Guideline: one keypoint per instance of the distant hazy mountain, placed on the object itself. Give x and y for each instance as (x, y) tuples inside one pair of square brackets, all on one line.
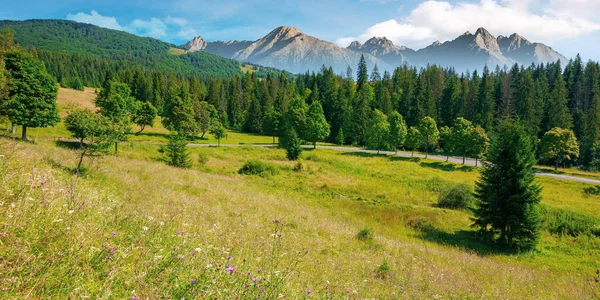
[(289, 49)]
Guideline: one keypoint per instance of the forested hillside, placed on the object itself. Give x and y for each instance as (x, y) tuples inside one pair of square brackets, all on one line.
[(79, 51)]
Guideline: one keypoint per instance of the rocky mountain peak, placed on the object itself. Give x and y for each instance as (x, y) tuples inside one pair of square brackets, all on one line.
[(354, 45), (284, 33), (196, 44), (436, 44)]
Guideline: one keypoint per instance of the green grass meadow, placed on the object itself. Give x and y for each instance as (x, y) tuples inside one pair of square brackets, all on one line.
[(133, 227)]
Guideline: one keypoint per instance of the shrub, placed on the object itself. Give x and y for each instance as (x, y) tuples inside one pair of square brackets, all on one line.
[(365, 234), (459, 196), (383, 270), (595, 190), (203, 158), (299, 167), (564, 222), (177, 153), (420, 223), (257, 167)]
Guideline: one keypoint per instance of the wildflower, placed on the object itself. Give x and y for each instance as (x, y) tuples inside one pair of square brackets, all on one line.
[(105, 244), (145, 228), (134, 298), (307, 251), (71, 211), (43, 182), (259, 270), (254, 279), (114, 233), (192, 281), (113, 250), (230, 270), (309, 291), (228, 257)]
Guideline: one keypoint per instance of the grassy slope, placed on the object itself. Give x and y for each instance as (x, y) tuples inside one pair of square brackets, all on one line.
[(148, 205)]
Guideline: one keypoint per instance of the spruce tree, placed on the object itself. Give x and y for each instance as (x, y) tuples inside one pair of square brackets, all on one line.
[(253, 123), (362, 75), (292, 144), (177, 153), (362, 113), (508, 197), (558, 113)]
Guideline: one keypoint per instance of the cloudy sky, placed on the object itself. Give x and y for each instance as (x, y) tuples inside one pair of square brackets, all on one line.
[(569, 26)]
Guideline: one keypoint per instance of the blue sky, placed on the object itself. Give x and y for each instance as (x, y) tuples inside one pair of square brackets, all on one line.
[(569, 26)]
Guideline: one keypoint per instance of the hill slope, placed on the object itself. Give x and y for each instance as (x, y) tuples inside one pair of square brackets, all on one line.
[(93, 42)]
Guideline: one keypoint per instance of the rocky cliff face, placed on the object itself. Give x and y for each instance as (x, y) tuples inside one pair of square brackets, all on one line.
[(289, 49)]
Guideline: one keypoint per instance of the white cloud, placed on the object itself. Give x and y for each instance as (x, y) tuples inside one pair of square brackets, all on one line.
[(154, 27), (95, 18), (440, 20)]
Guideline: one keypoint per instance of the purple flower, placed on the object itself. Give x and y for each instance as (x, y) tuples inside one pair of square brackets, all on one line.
[(309, 291), (228, 257), (43, 182), (113, 250), (105, 244), (192, 281), (307, 251), (114, 233), (134, 298), (259, 270), (231, 270), (254, 279)]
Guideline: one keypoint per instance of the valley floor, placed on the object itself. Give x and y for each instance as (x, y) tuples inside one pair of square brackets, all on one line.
[(133, 227)]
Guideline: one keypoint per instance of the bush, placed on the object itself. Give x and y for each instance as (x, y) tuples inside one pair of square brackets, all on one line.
[(299, 167), (564, 222), (365, 234), (257, 167), (459, 196), (383, 270), (595, 190), (203, 158)]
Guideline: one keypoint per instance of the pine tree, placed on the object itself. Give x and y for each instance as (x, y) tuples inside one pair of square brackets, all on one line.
[(484, 107), (271, 123), (253, 123), (362, 75), (558, 113), (293, 145), (362, 113), (177, 153), (32, 94), (317, 128), (507, 211), (179, 114)]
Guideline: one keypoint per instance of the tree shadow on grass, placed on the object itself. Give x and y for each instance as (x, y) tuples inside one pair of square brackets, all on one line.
[(71, 145), (407, 159), (363, 154), (463, 239), (448, 167)]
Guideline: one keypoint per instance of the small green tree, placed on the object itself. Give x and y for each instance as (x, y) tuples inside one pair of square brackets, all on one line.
[(270, 124), (317, 128), (218, 131), (398, 130), (144, 115), (429, 132), (340, 139), (177, 152), (559, 145), (460, 137), (378, 130), (480, 142), (32, 92), (203, 118), (178, 114), (414, 139), (94, 132), (507, 210), (293, 144), (445, 134), (117, 104)]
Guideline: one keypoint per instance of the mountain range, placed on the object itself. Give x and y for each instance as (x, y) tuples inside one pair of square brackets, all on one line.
[(290, 49)]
